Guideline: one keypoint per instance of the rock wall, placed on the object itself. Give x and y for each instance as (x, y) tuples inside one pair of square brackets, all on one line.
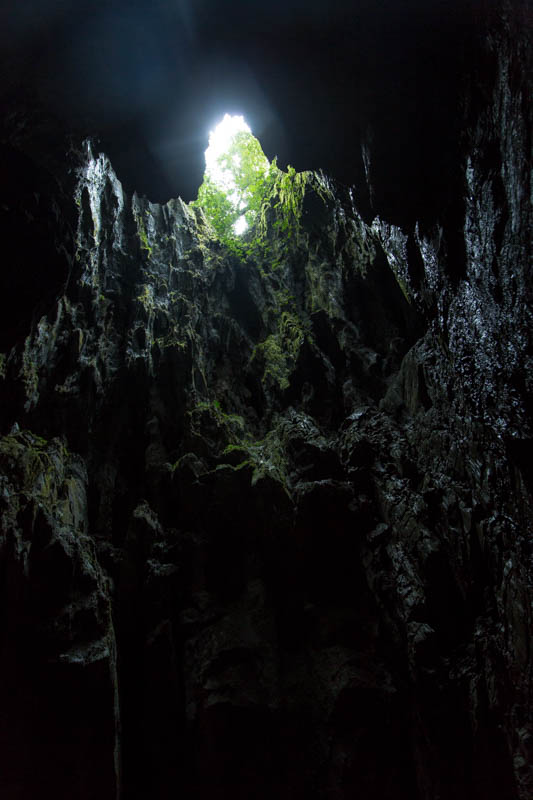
[(266, 522)]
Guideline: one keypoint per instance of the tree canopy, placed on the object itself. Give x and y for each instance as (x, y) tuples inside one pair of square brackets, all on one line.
[(235, 185)]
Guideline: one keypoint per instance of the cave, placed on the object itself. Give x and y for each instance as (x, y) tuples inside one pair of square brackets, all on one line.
[(265, 499)]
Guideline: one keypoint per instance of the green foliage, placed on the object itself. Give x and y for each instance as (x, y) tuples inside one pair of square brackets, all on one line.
[(230, 425), (251, 172), (280, 350), (217, 207), (252, 187), (287, 197), (146, 297), (141, 232), (265, 457), (143, 236), (244, 177)]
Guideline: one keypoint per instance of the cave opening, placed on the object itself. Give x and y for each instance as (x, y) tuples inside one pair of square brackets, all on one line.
[(265, 496), (236, 177)]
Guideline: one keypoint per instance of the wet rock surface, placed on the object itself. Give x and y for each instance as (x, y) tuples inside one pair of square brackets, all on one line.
[(266, 523)]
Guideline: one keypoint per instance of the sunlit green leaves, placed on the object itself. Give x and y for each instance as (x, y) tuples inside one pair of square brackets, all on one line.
[(253, 206), (235, 183)]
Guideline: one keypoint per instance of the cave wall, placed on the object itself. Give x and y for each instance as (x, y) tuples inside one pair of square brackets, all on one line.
[(266, 523)]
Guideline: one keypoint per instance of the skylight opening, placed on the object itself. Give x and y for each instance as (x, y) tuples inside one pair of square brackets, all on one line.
[(220, 140), (234, 163), (240, 226)]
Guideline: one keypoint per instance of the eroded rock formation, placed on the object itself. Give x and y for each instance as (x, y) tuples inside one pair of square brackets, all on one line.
[(266, 523)]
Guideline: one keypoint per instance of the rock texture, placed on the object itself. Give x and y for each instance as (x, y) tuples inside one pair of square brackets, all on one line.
[(266, 523)]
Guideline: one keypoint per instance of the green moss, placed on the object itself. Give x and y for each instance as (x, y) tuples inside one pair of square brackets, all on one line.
[(24, 453), (280, 350), (142, 234), (284, 300), (146, 297), (286, 199), (235, 467), (171, 339), (266, 457), (276, 363), (234, 448), (231, 425), (144, 240)]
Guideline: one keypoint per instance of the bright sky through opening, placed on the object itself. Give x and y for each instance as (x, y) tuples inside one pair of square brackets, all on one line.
[(220, 140)]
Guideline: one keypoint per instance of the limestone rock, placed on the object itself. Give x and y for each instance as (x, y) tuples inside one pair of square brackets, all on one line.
[(266, 520)]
